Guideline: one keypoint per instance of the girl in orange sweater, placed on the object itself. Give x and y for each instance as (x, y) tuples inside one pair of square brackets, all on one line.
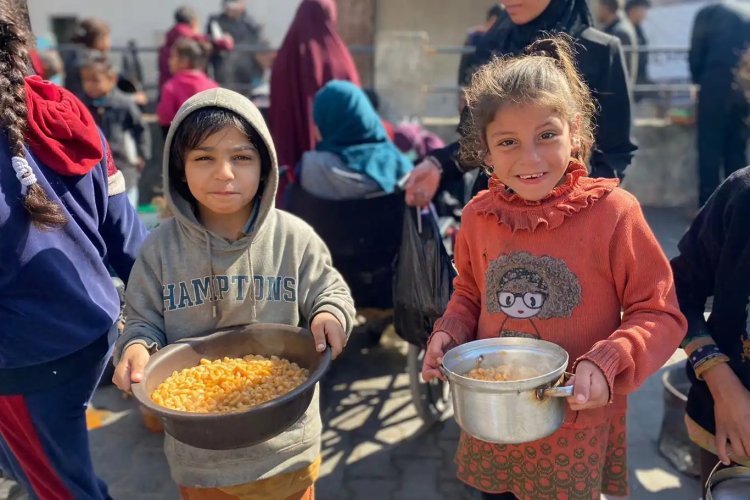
[(550, 253)]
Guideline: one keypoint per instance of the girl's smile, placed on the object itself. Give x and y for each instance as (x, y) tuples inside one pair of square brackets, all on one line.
[(529, 148)]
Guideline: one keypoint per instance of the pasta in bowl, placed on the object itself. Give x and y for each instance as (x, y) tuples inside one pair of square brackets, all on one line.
[(256, 381), (229, 384)]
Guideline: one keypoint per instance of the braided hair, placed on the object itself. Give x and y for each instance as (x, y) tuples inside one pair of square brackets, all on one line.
[(44, 213)]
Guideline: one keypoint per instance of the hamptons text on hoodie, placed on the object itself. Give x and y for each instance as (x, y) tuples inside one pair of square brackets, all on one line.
[(196, 292)]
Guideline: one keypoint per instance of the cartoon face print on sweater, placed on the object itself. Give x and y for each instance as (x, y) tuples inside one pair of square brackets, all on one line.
[(525, 288)]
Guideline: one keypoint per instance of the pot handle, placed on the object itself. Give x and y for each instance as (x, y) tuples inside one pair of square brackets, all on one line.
[(717, 468), (560, 391), (444, 371)]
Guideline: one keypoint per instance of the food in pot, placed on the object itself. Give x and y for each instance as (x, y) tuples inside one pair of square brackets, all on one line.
[(229, 384), (503, 373)]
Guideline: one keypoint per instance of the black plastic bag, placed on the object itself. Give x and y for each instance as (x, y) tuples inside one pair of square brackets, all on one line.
[(423, 278)]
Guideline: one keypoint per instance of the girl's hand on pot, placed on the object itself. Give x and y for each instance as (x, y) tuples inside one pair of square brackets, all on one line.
[(590, 389), (433, 357)]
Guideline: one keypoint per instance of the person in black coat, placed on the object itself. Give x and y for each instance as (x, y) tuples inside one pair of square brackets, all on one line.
[(714, 261), (636, 11), (721, 32), (238, 67), (600, 61), (613, 23)]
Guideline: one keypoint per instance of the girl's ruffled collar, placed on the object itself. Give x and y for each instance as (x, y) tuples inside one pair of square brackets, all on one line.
[(574, 194)]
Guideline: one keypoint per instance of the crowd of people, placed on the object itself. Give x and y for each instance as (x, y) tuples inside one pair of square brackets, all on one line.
[(550, 247)]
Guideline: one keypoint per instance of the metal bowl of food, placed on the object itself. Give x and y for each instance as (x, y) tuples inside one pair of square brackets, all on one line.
[(524, 399), (235, 429)]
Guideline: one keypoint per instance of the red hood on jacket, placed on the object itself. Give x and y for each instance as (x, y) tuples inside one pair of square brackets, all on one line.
[(61, 132)]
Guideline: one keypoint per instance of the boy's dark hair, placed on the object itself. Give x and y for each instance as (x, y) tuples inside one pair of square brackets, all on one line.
[(613, 5), (14, 57), (494, 11), (100, 62), (89, 31), (631, 4), (199, 125), (185, 15), (547, 76), (193, 51)]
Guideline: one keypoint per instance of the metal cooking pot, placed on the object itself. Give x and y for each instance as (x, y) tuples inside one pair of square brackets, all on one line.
[(222, 431), (732, 483), (508, 412)]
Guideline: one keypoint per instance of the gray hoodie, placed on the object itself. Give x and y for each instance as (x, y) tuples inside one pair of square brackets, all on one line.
[(188, 280)]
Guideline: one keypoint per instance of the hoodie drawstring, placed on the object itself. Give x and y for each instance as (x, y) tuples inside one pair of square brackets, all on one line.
[(251, 291), (211, 278), (214, 295)]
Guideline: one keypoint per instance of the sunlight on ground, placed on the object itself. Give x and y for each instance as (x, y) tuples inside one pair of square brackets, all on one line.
[(656, 480)]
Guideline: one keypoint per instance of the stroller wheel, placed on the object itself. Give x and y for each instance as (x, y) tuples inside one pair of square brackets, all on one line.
[(431, 399)]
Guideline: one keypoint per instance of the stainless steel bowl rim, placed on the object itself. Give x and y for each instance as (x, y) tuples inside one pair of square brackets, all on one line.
[(720, 476), (548, 379), (139, 390)]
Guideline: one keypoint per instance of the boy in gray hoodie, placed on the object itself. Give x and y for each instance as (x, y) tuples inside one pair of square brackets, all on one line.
[(229, 258)]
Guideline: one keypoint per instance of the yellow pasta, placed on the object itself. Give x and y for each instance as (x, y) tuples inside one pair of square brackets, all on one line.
[(503, 373), (228, 384)]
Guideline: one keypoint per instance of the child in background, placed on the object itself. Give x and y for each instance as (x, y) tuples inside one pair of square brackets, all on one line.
[(64, 220), (187, 64), (91, 35), (550, 253), (118, 117), (187, 25), (714, 261), (240, 261)]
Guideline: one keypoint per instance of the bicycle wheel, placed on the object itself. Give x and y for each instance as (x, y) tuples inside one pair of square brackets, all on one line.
[(431, 399)]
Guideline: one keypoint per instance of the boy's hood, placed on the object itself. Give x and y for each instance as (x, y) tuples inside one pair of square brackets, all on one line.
[(180, 207)]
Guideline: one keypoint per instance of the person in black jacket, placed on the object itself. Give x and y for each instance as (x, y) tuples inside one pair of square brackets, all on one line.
[(119, 119), (720, 32), (613, 23), (600, 61), (238, 68), (636, 11), (714, 261)]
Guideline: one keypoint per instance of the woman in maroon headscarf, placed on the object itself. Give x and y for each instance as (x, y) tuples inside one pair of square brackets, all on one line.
[(311, 55)]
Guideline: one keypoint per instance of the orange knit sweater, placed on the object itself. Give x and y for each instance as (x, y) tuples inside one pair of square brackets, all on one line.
[(563, 269)]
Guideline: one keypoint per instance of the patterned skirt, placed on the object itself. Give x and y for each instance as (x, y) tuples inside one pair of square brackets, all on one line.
[(573, 463)]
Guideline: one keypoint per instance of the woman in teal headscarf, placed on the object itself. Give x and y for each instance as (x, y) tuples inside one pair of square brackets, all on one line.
[(354, 157)]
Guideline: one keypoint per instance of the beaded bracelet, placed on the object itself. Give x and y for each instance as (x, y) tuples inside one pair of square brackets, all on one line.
[(705, 357)]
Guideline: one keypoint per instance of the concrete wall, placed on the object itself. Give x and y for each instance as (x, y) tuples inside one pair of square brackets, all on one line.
[(356, 25), (444, 23), (664, 172)]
